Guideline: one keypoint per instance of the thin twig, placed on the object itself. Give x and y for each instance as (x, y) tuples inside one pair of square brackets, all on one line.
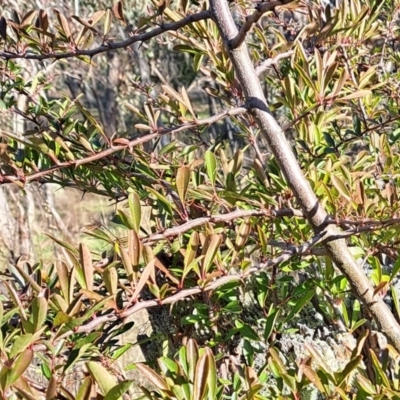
[(272, 61), (126, 146)]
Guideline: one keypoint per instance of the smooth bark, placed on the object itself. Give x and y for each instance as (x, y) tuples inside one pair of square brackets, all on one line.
[(316, 215)]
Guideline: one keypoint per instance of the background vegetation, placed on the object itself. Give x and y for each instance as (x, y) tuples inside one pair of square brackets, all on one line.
[(248, 154)]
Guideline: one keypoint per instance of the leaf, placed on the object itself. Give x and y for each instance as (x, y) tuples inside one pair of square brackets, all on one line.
[(211, 252), (355, 95), (152, 376), (127, 263), (84, 392), (135, 210), (64, 279), (119, 12), (63, 244), (110, 277), (246, 331), (118, 390), (86, 261), (103, 378), (341, 187), (64, 25), (3, 28), (380, 372), (96, 17), (201, 377), (270, 323), (301, 303), (20, 344), (134, 247), (20, 365), (395, 269), (192, 355), (348, 369), (28, 18), (182, 182), (243, 234), (39, 312), (43, 21), (211, 165), (107, 22), (313, 377), (149, 269), (212, 374), (51, 392)]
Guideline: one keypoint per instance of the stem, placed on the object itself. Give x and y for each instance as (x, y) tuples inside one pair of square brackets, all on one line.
[(316, 215)]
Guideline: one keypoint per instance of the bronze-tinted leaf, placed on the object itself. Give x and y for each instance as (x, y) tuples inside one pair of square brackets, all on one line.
[(110, 277), (119, 12), (182, 182), (201, 377), (42, 21), (149, 270), (152, 376), (96, 17), (28, 18), (64, 25)]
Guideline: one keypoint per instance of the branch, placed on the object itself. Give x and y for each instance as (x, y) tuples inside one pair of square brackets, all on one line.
[(252, 19), (173, 26), (315, 213), (182, 294), (271, 61), (178, 230), (114, 149)]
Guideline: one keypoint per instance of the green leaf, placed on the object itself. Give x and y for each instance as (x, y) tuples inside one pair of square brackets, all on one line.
[(103, 378), (212, 374), (135, 210), (246, 331), (395, 269), (211, 252), (20, 365), (84, 392), (270, 324), (300, 304), (20, 344), (348, 369), (211, 165), (118, 390), (39, 312)]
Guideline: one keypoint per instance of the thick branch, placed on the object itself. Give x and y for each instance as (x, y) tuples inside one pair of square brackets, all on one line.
[(253, 18), (279, 146)]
